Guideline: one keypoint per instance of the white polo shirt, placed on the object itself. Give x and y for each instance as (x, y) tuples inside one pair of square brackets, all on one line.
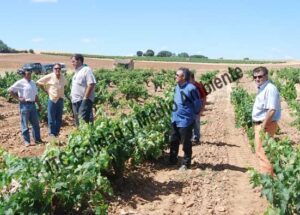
[(25, 89), (83, 76), (267, 98)]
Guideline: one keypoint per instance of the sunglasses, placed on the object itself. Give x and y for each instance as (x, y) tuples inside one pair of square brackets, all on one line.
[(258, 76), (57, 68)]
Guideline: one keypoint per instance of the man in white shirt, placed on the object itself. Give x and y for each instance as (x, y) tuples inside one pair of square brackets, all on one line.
[(265, 114), (83, 90), (25, 91)]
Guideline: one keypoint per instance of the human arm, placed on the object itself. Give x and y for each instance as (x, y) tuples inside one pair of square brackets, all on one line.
[(89, 90), (268, 118), (91, 83), (43, 82), (14, 91), (37, 100), (15, 95)]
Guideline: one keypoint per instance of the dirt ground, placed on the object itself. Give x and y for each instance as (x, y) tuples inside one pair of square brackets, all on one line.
[(217, 182), (11, 62)]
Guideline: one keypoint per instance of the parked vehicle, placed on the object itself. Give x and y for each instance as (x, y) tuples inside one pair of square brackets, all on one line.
[(37, 68), (47, 68)]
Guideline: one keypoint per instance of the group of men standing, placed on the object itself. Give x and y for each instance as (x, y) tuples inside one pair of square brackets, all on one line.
[(82, 97), (186, 115), (189, 102)]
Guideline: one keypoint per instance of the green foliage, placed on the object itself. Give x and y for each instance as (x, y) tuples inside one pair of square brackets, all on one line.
[(288, 91), (164, 54), (243, 103), (139, 53), (283, 190), (183, 54), (292, 74), (133, 90), (199, 56), (208, 76), (285, 80), (5, 49), (149, 53)]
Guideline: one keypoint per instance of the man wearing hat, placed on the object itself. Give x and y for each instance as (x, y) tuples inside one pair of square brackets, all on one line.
[(25, 91)]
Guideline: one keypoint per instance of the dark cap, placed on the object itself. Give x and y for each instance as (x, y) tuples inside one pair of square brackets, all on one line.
[(27, 69)]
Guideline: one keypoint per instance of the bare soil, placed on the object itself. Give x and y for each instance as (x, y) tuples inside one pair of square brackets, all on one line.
[(217, 182)]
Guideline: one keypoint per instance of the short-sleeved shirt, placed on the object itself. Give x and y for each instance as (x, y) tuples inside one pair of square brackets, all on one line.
[(83, 76), (267, 98), (25, 89), (54, 86)]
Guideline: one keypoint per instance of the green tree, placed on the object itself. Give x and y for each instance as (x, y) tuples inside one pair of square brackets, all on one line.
[(164, 54), (139, 53), (183, 54), (149, 53)]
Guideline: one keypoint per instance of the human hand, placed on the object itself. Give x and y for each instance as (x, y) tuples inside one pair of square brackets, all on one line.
[(21, 99), (40, 108)]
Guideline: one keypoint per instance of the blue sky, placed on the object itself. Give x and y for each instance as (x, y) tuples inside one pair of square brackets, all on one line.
[(258, 29)]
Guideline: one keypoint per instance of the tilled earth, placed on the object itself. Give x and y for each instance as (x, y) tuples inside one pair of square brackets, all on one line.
[(217, 182)]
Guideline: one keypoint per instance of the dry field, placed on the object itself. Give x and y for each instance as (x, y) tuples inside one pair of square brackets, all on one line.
[(217, 183), (11, 62)]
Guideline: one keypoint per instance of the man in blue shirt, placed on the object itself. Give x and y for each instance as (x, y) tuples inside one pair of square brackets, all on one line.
[(265, 114), (187, 105)]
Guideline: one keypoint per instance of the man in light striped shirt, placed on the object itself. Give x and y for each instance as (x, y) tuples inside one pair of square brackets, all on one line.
[(265, 114)]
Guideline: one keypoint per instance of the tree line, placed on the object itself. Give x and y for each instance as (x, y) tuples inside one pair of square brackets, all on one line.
[(6, 49), (164, 53)]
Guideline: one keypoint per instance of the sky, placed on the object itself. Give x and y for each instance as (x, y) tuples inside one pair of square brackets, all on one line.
[(231, 29)]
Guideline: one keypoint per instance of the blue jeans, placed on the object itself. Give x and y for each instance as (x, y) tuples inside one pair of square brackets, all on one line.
[(196, 130), (83, 110), (55, 112), (29, 114)]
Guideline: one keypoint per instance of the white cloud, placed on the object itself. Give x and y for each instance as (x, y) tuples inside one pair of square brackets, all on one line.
[(44, 1), (88, 40), (37, 40)]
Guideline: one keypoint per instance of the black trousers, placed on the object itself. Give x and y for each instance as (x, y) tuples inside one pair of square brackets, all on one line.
[(181, 135)]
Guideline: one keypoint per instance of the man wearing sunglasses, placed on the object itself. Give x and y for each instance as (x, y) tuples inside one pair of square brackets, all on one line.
[(187, 106), (265, 114), (53, 84)]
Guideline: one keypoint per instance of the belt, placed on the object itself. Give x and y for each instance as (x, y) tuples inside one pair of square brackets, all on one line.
[(28, 102), (258, 122)]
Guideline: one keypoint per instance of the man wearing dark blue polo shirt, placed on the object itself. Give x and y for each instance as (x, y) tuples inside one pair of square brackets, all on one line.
[(187, 105)]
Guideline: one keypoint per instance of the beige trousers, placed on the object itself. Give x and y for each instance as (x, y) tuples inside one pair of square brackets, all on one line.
[(264, 163)]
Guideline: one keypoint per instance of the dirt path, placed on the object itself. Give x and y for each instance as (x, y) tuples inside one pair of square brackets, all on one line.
[(217, 183)]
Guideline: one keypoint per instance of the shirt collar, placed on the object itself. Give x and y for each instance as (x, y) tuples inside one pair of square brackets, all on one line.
[(79, 68), (261, 87), (183, 85)]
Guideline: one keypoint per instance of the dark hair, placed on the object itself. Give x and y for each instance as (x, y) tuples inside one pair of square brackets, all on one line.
[(186, 73), (57, 64), (78, 57), (261, 69), (192, 75)]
